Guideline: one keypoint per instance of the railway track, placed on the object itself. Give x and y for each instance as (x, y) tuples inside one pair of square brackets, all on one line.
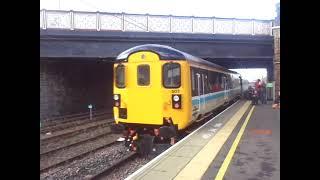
[(110, 168), (72, 131), (73, 144), (128, 167), (71, 117), (130, 156), (78, 122), (64, 155)]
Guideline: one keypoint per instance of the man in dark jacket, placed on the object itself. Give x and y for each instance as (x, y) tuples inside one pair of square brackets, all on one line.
[(263, 93)]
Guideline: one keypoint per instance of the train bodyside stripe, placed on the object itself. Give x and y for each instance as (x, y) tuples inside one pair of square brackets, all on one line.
[(211, 96)]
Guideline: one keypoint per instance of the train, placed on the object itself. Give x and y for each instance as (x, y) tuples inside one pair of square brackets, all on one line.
[(159, 91)]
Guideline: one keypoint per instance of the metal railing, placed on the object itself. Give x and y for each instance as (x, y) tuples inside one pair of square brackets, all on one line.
[(102, 21)]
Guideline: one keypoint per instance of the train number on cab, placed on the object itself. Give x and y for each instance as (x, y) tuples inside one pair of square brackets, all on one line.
[(175, 91)]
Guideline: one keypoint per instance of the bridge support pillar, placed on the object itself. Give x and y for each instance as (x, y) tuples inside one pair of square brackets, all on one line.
[(270, 73)]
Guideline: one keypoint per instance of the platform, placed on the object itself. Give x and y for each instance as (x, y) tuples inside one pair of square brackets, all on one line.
[(202, 153), (257, 156)]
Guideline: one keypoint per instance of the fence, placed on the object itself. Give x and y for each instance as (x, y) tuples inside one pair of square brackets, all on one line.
[(101, 21)]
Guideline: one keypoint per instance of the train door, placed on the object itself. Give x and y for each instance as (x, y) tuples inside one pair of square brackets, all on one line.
[(203, 104), (225, 88), (195, 92), (199, 87)]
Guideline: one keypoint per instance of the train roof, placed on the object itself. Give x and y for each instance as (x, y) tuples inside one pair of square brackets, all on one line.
[(169, 53)]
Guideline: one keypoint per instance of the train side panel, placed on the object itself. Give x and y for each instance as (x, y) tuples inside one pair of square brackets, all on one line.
[(204, 101)]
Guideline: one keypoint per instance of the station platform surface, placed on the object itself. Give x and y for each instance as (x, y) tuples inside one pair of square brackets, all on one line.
[(257, 156), (218, 150)]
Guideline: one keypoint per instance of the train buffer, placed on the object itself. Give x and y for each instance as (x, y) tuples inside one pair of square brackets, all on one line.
[(242, 142)]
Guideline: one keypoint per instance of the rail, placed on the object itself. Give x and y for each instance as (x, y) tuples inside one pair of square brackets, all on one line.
[(103, 21)]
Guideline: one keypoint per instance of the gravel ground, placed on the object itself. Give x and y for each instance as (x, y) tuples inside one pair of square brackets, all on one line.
[(86, 167), (67, 153), (62, 142), (129, 168), (134, 164)]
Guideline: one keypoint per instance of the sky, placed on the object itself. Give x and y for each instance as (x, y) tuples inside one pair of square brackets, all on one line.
[(252, 9), (252, 74), (258, 9)]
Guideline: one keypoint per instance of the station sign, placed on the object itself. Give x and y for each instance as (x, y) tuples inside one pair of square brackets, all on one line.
[(269, 84)]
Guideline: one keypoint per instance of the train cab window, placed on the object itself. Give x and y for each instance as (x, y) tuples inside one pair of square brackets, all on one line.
[(120, 76), (143, 75), (171, 75)]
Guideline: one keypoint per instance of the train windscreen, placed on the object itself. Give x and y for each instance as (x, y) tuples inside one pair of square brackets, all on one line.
[(171, 75)]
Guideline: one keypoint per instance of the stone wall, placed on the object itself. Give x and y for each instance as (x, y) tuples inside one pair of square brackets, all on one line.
[(276, 33), (68, 87)]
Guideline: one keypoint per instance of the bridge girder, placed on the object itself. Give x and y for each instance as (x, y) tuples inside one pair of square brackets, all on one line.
[(230, 51)]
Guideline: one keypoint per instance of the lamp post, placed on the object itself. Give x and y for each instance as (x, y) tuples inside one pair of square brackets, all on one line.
[(90, 109)]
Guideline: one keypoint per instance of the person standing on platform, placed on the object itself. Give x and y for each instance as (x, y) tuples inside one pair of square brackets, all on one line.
[(263, 93), (258, 89), (258, 85)]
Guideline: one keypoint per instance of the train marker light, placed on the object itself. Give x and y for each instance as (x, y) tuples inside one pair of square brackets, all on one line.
[(176, 98), (176, 105), (116, 98), (176, 101)]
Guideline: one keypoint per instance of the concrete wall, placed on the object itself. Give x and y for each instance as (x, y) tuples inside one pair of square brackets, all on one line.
[(276, 59), (68, 86)]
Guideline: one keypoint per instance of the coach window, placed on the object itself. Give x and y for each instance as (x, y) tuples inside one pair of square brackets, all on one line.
[(120, 76), (221, 81), (229, 82), (143, 75), (215, 81), (206, 84), (193, 83), (171, 75)]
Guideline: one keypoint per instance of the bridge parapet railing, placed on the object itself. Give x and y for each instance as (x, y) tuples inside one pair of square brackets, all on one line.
[(102, 21)]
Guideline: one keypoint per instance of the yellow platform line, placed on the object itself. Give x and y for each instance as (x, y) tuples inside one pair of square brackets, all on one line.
[(233, 148), (200, 163)]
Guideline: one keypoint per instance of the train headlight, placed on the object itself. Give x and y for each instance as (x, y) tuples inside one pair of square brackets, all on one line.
[(116, 97), (116, 100), (176, 101), (176, 98)]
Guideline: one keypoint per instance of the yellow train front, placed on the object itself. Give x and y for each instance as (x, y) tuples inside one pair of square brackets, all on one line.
[(159, 90)]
